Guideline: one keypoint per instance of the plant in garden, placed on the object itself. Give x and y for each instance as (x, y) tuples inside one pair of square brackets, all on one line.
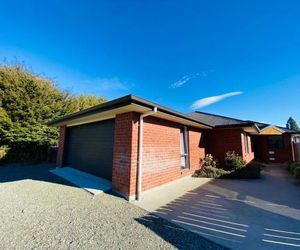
[(294, 168), (297, 172), (233, 161), (294, 165), (210, 169), (236, 169)]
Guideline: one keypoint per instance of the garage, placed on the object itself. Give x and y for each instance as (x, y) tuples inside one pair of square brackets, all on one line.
[(89, 148)]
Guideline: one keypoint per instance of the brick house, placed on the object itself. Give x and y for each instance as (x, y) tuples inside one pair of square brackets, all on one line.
[(252, 140), (139, 145), (134, 143)]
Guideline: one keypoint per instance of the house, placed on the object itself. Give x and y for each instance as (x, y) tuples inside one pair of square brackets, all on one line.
[(134, 143), (250, 139), (139, 145)]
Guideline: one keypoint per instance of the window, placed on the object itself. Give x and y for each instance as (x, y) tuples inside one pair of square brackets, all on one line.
[(246, 144), (184, 148), (275, 142)]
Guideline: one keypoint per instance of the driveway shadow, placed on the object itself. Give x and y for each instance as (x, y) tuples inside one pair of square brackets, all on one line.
[(39, 172), (177, 236), (246, 214)]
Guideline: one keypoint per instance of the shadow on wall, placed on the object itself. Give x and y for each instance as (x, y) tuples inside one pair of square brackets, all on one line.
[(235, 213)]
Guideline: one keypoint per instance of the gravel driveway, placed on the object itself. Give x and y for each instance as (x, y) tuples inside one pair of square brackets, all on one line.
[(39, 210)]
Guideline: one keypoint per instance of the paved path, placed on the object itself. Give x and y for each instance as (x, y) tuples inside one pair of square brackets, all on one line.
[(243, 214)]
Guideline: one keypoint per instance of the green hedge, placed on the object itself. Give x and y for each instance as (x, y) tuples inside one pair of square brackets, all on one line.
[(26, 152)]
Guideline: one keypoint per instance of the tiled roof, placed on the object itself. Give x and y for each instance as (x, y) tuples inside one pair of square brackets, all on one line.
[(217, 120), (224, 121)]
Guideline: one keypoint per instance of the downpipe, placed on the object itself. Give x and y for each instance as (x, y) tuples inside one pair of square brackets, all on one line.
[(140, 155)]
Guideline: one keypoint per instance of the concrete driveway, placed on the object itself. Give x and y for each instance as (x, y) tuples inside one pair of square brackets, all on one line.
[(239, 214)]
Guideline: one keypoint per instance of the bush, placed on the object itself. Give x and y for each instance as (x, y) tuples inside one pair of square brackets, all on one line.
[(297, 172), (3, 152), (209, 161), (238, 169), (210, 169), (211, 172), (250, 171), (28, 101), (233, 161), (294, 165), (26, 152)]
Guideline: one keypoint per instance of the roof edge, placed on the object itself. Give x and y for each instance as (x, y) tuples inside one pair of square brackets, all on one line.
[(119, 102)]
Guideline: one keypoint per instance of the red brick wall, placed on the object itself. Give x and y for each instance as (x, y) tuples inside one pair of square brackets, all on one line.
[(197, 143), (125, 153), (161, 163), (61, 145), (223, 140), (161, 153)]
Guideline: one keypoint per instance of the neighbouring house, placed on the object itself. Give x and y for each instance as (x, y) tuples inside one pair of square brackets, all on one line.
[(275, 144), (139, 145), (250, 139)]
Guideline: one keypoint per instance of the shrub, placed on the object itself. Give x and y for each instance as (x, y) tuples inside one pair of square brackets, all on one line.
[(250, 171), (294, 165), (3, 152), (209, 161), (210, 169), (26, 152), (297, 172), (233, 161), (28, 101), (239, 171), (212, 172)]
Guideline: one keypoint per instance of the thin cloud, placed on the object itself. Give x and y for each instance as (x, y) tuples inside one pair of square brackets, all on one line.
[(213, 99), (183, 80), (107, 84)]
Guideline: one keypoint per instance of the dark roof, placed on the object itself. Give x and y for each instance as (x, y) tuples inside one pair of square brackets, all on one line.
[(261, 126), (120, 102), (218, 120), (287, 130)]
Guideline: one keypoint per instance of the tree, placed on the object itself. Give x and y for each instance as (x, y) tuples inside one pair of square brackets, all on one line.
[(84, 101), (292, 124), (28, 101)]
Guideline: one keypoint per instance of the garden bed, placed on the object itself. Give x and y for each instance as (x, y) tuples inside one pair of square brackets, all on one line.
[(235, 168)]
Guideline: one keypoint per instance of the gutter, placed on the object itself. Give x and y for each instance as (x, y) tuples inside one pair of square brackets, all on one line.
[(120, 102), (241, 125), (140, 155)]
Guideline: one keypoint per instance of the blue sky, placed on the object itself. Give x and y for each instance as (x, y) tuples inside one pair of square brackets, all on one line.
[(242, 55)]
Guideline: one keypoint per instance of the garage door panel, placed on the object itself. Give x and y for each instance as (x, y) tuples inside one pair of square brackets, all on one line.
[(89, 148)]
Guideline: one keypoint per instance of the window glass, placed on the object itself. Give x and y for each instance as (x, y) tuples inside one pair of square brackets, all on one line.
[(184, 147), (246, 144), (275, 142)]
